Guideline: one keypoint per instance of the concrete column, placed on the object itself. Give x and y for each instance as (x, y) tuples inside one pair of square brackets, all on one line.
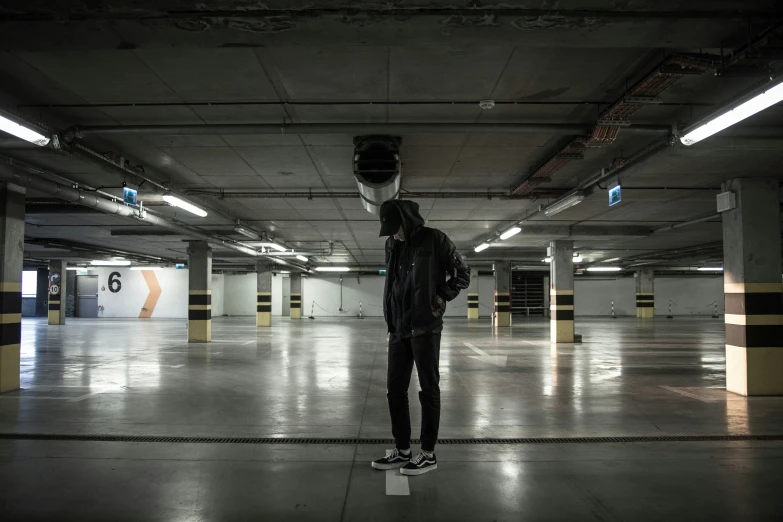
[(11, 255), (42, 293), (503, 293), (753, 289), (473, 294), (200, 294), (296, 296), (58, 281), (561, 292), (264, 299), (645, 293)]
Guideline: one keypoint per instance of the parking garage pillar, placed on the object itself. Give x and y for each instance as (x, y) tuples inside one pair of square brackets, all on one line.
[(503, 293), (753, 289), (57, 291), (645, 298), (264, 299), (200, 292), (473, 295), (561, 292), (296, 296), (12, 252)]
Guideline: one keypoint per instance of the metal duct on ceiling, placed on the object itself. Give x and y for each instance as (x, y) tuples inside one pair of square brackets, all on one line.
[(378, 170)]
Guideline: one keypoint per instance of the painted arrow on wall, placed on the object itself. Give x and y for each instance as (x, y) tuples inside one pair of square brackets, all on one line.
[(153, 296)]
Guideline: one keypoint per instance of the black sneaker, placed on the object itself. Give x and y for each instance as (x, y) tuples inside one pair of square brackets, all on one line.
[(420, 465), (395, 459)]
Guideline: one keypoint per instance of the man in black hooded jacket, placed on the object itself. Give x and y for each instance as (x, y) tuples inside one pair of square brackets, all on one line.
[(418, 261)]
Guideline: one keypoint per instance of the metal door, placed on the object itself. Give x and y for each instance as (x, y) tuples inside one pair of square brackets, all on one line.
[(286, 296), (87, 296)]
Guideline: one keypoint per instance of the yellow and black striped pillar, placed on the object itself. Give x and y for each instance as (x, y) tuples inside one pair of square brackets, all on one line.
[(473, 295), (561, 292), (645, 293), (752, 288), (57, 282), (200, 292), (264, 309), (10, 334), (264, 295), (754, 338), (296, 296), (645, 305), (561, 324), (11, 253), (200, 316), (503, 294), (502, 309), (473, 306)]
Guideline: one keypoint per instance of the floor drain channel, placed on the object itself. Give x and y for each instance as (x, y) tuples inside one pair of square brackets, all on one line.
[(465, 441)]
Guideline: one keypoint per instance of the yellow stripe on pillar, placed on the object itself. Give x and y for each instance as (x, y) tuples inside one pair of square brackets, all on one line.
[(264, 309)]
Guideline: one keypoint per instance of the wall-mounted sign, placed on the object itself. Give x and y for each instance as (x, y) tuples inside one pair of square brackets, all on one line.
[(614, 195), (129, 196), (54, 290), (180, 266)]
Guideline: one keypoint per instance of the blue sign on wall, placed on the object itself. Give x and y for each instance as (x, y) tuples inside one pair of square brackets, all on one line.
[(614, 195), (129, 196)]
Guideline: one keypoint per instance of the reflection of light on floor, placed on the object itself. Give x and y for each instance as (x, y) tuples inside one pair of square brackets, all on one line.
[(482, 406), (737, 416)]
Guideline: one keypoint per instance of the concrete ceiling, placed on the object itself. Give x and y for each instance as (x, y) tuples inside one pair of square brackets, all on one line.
[(72, 63)]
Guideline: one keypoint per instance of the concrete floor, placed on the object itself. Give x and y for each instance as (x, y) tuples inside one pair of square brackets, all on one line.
[(326, 378)]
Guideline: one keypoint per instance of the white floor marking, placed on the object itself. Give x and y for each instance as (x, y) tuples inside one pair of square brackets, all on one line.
[(688, 394), (497, 360), (396, 484)]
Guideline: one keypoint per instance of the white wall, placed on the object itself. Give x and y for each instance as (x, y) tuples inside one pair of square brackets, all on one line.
[(240, 294), (486, 296), (173, 301), (594, 297), (277, 293), (218, 282), (691, 295), (325, 291)]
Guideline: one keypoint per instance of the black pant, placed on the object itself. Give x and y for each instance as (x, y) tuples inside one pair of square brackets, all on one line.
[(425, 352)]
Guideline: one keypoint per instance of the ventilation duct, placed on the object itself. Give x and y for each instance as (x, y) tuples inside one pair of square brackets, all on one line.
[(377, 168)]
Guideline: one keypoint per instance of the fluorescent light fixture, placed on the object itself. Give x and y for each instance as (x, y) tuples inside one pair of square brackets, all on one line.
[(511, 232), (332, 269), (721, 121), (184, 205), (604, 269), (239, 229), (146, 268), (79, 269), (274, 246), (284, 272), (98, 262), (302, 258), (578, 259), (246, 250), (710, 269), (20, 131), (564, 203), (481, 247), (546, 260)]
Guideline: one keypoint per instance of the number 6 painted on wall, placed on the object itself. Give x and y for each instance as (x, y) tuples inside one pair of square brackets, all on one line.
[(115, 285)]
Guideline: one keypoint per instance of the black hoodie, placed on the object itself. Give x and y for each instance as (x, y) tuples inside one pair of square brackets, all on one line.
[(416, 274)]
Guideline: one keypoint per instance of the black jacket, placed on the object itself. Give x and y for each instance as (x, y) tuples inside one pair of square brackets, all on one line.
[(423, 260)]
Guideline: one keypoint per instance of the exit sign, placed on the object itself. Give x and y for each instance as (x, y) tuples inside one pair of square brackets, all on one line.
[(614, 195)]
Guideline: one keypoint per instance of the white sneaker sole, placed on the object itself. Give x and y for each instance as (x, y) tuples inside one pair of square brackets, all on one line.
[(414, 472), (386, 467)]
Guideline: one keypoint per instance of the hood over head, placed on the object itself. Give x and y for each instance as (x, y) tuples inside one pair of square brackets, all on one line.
[(396, 212)]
